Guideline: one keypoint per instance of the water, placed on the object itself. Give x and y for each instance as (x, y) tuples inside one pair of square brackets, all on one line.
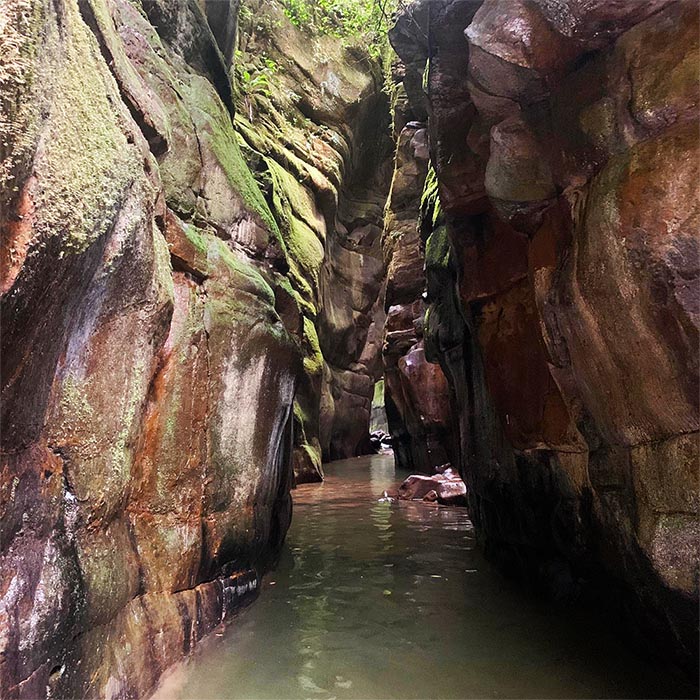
[(380, 600)]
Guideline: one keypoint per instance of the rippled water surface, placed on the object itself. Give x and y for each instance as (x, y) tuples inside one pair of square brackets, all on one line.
[(380, 600)]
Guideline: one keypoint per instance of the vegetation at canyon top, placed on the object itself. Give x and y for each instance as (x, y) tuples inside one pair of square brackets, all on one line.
[(366, 19)]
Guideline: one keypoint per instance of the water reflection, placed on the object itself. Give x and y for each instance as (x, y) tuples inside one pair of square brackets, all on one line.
[(392, 600)]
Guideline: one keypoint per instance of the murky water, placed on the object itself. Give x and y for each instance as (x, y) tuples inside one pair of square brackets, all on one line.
[(379, 600)]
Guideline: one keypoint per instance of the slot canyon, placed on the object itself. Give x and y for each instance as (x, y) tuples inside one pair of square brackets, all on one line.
[(262, 260)]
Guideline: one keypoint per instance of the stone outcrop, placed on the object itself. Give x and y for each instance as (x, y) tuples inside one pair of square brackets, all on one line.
[(416, 392), (315, 122), (445, 487), (563, 289), (163, 285)]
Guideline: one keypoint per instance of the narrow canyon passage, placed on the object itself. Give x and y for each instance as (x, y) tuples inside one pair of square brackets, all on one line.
[(250, 247), (374, 599)]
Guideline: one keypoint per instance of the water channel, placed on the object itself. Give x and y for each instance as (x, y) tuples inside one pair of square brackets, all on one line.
[(393, 600)]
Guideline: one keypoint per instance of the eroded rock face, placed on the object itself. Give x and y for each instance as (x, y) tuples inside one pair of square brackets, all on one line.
[(319, 143), (160, 358), (416, 391), (563, 290)]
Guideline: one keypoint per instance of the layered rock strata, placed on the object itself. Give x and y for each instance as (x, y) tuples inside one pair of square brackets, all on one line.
[(417, 398), (563, 289), (315, 124), (159, 316)]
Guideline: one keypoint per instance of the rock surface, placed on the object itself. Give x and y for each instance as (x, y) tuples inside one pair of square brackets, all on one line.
[(416, 392), (562, 289), (164, 292), (316, 132), (446, 487)]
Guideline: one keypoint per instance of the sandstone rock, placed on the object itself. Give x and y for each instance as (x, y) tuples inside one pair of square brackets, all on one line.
[(416, 398), (161, 362), (446, 488), (561, 298), (519, 48), (304, 141)]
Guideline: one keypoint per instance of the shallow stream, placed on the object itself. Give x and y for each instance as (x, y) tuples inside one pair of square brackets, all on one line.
[(392, 600)]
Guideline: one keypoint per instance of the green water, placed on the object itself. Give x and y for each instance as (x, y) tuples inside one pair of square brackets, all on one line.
[(380, 600)]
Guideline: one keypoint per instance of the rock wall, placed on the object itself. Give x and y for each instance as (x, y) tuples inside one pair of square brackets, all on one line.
[(315, 123), (417, 400), (162, 282), (563, 289)]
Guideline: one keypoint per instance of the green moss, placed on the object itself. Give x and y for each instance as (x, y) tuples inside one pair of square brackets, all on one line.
[(306, 250), (136, 391), (430, 209), (378, 398), (293, 209), (74, 401), (195, 237), (314, 454), (87, 163), (20, 24), (275, 135), (437, 251), (245, 276), (162, 267), (292, 198), (313, 359), (442, 314), (216, 130), (302, 418)]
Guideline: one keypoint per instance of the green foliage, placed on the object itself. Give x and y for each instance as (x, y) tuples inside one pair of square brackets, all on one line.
[(366, 20), (430, 210), (258, 78)]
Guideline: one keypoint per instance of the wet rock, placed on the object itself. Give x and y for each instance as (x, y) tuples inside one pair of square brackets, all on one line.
[(380, 442), (447, 488), (162, 290), (416, 392), (560, 299), (305, 145)]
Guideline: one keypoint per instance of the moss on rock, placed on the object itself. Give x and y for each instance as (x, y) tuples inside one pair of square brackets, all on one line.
[(87, 160)]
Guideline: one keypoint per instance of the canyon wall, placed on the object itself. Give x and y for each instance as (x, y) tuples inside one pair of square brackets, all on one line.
[(164, 354), (315, 122), (417, 396), (562, 289)]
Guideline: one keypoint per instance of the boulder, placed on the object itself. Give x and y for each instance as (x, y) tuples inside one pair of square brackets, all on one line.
[(447, 488)]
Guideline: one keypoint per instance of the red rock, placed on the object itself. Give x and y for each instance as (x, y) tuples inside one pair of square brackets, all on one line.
[(572, 350), (446, 488)]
